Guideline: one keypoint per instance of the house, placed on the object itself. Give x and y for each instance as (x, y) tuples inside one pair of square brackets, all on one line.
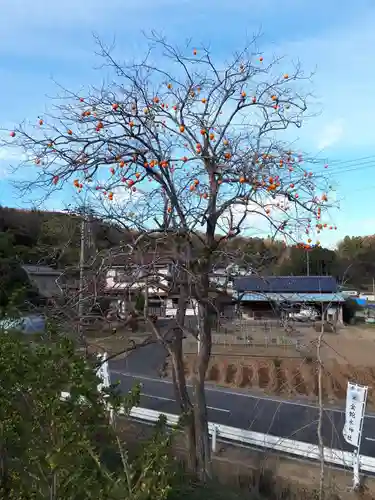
[(46, 280), (125, 280), (223, 277), (273, 296)]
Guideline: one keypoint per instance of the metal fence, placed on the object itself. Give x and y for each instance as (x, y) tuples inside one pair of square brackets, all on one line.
[(159, 311), (258, 440), (266, 341)]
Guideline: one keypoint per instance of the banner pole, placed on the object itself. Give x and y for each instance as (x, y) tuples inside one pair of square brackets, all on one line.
[(356, 481), (356, 454)]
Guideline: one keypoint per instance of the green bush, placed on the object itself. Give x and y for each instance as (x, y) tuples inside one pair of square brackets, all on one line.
[(56, 449)]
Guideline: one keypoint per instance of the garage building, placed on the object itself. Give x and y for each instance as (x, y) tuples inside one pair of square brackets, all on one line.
[(274, 296)]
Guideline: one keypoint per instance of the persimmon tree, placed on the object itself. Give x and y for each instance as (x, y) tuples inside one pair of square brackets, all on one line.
[(181, 148)]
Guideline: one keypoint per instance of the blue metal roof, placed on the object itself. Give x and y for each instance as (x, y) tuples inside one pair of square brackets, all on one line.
[(360, 301), (289, 284), (26, 324), (290, 297)]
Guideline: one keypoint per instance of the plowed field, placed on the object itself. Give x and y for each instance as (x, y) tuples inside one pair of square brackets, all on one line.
[(285, 372), (291, 378)]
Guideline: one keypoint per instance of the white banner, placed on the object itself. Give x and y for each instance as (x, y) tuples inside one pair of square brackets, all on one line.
[(356, 396), (103, 372)]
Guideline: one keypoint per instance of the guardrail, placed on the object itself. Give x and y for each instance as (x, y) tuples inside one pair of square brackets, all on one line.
[(258, 440), (267, 441), (244, 437)]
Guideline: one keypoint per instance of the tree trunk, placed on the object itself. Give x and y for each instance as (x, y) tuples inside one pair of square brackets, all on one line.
[(200, 406), (186, 409), (179, 382), (4, 472), (146, 305)]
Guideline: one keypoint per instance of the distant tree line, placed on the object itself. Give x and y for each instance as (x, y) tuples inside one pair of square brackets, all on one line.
[(50, 238)]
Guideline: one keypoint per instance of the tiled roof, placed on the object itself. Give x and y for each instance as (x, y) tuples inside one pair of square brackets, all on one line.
[(282, 284), (291, 297), (41, 270), (137, 259)]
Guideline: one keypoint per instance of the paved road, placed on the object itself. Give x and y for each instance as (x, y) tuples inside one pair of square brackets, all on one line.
[(145, 361), (266, 415), (288, 419)]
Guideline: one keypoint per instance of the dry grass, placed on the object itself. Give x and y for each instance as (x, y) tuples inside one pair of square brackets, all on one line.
[(114, 344), (105, 340), (273, 475), (270, 362)]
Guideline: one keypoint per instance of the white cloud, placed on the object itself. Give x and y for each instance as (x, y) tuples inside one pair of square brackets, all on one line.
[(256, 220), (331, 134), (10, 155), (32, 30), (123, 195), (3, 172), (340, 89)]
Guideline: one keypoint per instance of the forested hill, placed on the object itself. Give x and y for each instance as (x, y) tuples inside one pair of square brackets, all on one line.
[(51, 238)]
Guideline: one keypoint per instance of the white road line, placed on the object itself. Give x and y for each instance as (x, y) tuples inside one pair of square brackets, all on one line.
[(218, 409), (170, 399), (370, 439), (233, 393), (156, 397)]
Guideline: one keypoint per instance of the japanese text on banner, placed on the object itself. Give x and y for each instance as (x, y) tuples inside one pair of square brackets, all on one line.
[(355, 406)]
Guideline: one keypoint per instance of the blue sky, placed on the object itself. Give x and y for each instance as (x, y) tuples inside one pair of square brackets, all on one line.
[(43, 41)]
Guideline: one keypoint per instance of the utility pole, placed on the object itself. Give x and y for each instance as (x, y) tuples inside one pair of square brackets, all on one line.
[(81, 279), (307, 263), (146, 306)]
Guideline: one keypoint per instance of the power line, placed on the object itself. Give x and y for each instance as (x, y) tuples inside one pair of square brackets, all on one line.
[(360, 168), (354, 160)]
